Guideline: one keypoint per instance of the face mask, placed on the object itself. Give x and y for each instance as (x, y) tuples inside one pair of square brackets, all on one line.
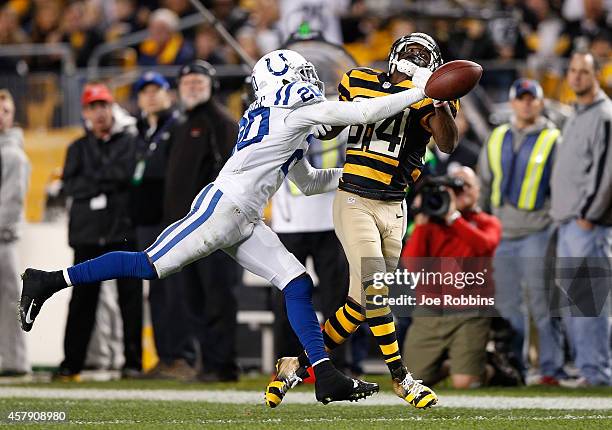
[(419, 58)]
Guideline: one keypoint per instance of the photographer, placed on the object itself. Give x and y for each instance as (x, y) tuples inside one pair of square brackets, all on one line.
[(450, 224)]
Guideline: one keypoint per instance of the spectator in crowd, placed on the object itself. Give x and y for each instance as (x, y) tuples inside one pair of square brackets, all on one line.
[(129, 16), (201, 143), (44, 28), (581, 204), (10, 30), (208, 45), (305, 226), (97, 174), (165, 44), (355, 30), (263, 26), (156, 120), (471, 39), (14, 177), (506, 31), (460, 335), (546, 39), (601, 48), (595, 19), (180, 7), (11, 34), (247, 38), (77, 33), (230, 14), (515, 167)]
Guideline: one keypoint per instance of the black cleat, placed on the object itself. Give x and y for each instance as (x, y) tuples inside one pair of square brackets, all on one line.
[(38, 286), (334, 386)]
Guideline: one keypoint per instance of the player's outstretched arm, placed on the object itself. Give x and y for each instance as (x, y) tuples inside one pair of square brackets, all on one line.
[(314, 181), (368, 111), (338, 113)]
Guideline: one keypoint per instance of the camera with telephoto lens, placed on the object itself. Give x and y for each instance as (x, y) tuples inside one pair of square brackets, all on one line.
[(435, 198)]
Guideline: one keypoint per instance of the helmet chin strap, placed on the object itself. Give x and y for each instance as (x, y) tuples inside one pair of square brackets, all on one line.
[(406, 67)]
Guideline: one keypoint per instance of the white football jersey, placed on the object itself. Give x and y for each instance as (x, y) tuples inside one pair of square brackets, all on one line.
[(267, 148)]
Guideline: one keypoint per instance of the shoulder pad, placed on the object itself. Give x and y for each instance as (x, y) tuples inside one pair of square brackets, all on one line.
[(296, 94)]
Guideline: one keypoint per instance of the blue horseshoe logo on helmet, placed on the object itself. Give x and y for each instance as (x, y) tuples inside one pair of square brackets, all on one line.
[(274, 72)]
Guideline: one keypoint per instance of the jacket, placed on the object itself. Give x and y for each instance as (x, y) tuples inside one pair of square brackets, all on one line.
[(96, 178), (151, 163), (200, 144), (582, 175), (14, 178)]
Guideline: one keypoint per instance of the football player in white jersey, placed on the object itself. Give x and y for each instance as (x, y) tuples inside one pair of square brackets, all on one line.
[(227, 214)]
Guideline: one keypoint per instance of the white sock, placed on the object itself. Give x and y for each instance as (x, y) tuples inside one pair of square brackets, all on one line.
[(67, 277)]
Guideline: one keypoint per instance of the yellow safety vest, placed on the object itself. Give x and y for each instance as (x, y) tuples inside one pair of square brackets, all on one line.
[(517, 176)]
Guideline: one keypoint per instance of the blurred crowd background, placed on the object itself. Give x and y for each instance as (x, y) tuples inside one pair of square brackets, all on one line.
[(510, 38), (51, 49)]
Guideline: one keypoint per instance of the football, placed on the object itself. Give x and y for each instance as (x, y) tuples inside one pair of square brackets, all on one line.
[(453, 80)]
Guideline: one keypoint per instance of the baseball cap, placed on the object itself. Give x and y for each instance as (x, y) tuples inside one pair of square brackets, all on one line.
[(96, 93), (199, 66), (151, 78), (525, 86)]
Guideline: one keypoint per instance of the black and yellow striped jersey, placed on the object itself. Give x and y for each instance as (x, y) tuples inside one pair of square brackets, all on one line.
[(384, 158)]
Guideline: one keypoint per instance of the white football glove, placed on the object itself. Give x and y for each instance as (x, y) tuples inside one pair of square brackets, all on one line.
[(420, 77), (321, 130)]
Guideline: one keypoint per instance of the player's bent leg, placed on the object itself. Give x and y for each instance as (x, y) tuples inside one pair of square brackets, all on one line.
[(263, 254)]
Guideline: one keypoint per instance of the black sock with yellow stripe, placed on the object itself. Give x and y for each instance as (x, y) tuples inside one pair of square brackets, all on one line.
[(380, 321), (342, 324), (339, 327)]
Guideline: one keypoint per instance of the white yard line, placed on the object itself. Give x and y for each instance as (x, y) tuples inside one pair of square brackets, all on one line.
[(253, 397), (374, 420)]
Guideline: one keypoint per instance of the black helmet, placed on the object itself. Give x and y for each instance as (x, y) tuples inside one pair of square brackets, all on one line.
[(422, 39)]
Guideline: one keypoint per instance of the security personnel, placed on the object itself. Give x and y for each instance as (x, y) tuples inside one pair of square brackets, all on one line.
[(515, 167)]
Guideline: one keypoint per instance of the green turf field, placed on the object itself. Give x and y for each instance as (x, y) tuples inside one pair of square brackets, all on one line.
[(186, 414)]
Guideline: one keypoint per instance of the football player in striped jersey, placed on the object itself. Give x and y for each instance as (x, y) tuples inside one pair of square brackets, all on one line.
[(383, 159)]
